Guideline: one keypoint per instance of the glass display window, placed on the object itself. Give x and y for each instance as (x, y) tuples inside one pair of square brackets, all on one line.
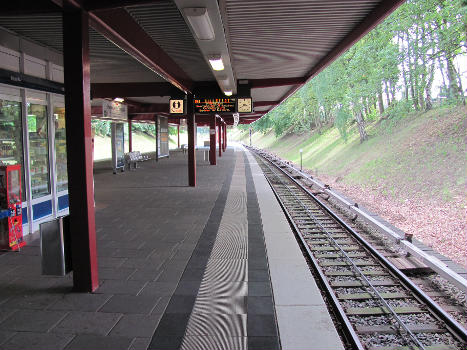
[(38, 150), (11, 135), (60, 149)]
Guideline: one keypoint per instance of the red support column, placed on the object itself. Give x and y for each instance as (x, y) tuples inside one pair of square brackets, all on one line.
[(190, 121), (225, 136), (178, 135), (220, 136), (130, 136), (212, 140), (79, 149)]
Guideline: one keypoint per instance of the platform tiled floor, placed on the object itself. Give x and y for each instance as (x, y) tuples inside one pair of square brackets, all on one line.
[(211, 267), (179, 267), (218, 304), (148, 224)]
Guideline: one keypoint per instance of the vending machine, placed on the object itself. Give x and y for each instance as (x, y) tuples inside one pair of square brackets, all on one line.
[(11, 222)]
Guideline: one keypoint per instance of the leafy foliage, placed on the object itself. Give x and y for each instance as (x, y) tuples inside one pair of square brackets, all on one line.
[(387, 74)]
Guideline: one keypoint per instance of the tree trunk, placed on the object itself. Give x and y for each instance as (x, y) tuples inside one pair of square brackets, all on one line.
[(393, 91), (441, 69), (361, 126), (429, 84), (452, 77), (380, 103), (461, 89), (386, 91)]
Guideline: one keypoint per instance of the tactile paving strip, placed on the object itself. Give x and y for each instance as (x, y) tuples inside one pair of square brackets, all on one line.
[(219, 319)]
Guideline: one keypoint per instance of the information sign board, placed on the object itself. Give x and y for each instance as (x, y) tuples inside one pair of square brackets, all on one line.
[(118, 144), (214, 105)]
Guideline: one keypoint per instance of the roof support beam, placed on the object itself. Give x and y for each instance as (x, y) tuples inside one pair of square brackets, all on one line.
[(92, 5), (148, 108), (265, 103), (27, 7), (119, 27), (111, 90), (265, 83), (375, 17), (384, 9)]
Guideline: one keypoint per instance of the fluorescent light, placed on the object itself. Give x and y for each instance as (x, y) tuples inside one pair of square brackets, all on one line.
[(228, 93), (216, 62), (200, 22), (119, 99)]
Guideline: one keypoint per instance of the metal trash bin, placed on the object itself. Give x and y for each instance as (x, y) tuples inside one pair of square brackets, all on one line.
[(55, 247)]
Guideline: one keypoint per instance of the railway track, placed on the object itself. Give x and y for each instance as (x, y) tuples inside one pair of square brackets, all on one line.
[(378, 307)]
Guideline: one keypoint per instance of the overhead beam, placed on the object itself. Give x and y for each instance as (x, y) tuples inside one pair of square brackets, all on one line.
[(111, 90), (118, 26), (29, 7), (148, 108), (92, 5), (273, 82), (375, 17), (265, 103)]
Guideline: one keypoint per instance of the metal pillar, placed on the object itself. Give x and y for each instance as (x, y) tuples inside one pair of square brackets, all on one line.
[(225, 136), (212, 140), (220, 138), (156, 121), (79, 149), (190, 121), (130, 138), (178, 135)]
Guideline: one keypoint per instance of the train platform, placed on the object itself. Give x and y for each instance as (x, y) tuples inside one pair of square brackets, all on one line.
[(211, 267)]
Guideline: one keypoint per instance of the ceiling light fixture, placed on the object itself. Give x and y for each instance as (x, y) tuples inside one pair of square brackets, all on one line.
[(200, 22), (216, 62), (228, 93), (119, 99)]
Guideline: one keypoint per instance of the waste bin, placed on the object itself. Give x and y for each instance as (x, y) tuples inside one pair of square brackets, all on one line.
[(55, 247)]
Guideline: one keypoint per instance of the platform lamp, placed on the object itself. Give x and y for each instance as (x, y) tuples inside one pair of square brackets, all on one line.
[(301, 159)]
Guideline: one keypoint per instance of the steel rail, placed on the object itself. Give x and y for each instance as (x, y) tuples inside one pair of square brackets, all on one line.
[(350, 333), (373, 290), (456, 329), (434, 263)]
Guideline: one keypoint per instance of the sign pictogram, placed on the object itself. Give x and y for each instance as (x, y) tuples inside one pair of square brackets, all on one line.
[(177, 106)]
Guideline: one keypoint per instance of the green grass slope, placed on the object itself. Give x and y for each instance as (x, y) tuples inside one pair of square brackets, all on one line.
[(411, 171), (422, 153), (141, 142)]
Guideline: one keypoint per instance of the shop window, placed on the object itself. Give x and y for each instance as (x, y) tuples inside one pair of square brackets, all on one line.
[(38, 150), (60, 149), (11, 136)]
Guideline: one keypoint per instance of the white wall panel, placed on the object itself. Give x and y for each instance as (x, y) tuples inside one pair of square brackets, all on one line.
[(56, 73), (35, 67), (9, 59)]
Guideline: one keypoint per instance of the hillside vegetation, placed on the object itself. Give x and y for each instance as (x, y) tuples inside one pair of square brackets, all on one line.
[(411, 170), (386, 122), (141, 142)]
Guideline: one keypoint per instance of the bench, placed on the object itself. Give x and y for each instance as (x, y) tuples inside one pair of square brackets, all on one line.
[(133, 158), (184, 147)]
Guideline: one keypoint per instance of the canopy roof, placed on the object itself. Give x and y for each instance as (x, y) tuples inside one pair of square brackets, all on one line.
[(146, 51)]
